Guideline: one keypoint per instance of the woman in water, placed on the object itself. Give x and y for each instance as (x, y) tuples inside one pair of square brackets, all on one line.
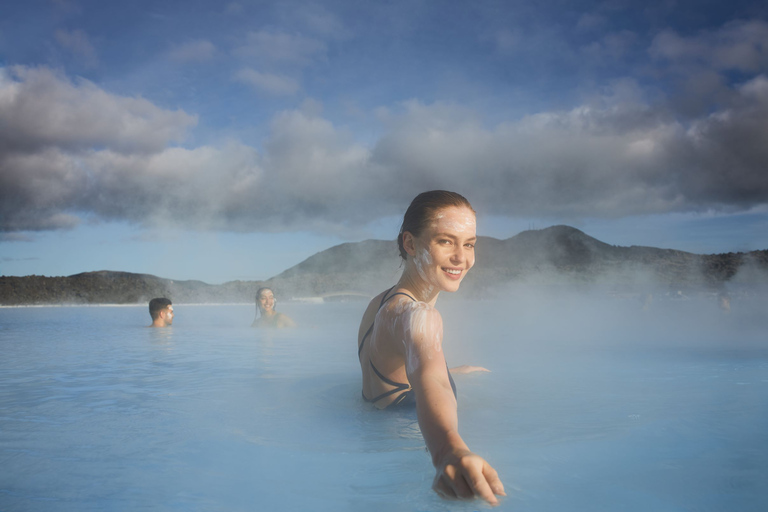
[(266, 316), (401, 334)]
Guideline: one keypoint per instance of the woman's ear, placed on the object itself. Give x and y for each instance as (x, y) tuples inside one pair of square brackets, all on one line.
[(409, 243)]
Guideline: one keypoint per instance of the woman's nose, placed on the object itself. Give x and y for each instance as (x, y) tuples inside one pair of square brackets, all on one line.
[(458, 254)]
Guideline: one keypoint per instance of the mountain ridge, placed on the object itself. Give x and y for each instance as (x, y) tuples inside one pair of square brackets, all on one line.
[(554, 255)]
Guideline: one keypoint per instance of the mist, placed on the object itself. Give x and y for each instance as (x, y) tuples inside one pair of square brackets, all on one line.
[(555, 323)]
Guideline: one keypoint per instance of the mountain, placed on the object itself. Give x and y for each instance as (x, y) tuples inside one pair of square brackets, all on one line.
[(108, 287), (348, 269), (555, 255)]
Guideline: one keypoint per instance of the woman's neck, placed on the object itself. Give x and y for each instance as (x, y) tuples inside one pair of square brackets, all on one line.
[(421, 290)]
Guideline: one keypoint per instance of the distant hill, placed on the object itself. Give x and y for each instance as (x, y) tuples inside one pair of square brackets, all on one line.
[(108, 287), (346, 269), (555, 255)]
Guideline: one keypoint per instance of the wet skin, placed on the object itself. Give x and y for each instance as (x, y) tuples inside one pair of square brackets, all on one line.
[(406, 346)]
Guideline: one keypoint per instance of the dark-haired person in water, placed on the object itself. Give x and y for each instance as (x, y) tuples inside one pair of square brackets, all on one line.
[(401, 334), (161, 311), (266, 316)]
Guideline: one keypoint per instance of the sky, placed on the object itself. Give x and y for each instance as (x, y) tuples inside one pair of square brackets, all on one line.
[(222, 141)]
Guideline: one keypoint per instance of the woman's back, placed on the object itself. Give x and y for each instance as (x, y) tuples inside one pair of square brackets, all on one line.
[(382, 359)]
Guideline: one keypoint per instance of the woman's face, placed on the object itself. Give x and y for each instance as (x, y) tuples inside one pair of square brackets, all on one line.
[(445, 250), (266, 300)]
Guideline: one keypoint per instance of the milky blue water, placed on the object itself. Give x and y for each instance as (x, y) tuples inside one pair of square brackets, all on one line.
[(591, 405)]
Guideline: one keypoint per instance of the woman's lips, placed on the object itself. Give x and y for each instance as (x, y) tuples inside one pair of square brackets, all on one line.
[(452, 273)]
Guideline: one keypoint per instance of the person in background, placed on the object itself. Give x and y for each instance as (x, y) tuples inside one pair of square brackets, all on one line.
[(724, 301), (266, 316), (401, 334), (161, 311)]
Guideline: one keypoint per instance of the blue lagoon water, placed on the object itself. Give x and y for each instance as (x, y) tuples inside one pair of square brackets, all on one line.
[(591, 405)]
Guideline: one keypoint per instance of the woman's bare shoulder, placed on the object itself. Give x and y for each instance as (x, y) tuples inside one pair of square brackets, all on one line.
[(413, 319)]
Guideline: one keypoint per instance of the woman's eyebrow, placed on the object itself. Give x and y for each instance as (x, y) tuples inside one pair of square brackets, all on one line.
[(448, 235)]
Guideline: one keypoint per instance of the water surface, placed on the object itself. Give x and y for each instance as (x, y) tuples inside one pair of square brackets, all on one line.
[(591, 405)]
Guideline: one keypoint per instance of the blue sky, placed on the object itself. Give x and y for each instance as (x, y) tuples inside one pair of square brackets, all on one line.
[(219, 141)]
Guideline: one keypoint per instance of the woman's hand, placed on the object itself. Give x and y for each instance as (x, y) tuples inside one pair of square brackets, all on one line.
[(465, 475)]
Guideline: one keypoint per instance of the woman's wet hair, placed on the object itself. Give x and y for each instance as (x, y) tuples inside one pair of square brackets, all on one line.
[(423, 210)]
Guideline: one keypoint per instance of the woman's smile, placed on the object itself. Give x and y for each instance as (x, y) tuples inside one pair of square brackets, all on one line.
[(453, 273), (448, 248)]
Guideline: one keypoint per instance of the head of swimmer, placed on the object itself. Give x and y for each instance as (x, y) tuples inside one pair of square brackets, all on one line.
[(265, 300), (161, 311), (437, 240)]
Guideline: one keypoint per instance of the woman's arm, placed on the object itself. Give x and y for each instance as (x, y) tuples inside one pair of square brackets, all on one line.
[(465, 368), (459, 472)]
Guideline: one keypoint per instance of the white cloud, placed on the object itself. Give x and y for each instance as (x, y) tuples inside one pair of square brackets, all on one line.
[(315, 167), (193, 51), (182, 187), (40, 109), (279, 46), (612, 47), (318, 20), (268, 82), (756, 89), (739, 45)]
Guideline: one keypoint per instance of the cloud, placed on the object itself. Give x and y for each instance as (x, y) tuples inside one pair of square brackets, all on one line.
[(612, 47), (316, 19), (268, 82), (737, 46), (71, 150), (193, 51), (77, 43), (316, 171), (16, 237), (49, 129), (611, 161), (40, 109), (277, 46)]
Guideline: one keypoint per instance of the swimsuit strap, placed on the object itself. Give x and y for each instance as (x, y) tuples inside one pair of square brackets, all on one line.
[(368, 332), (381, 304), (406, 389), (398, 293), (398, 386)]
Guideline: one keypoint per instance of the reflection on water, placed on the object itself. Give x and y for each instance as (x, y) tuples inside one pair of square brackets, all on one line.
[(603, 405)]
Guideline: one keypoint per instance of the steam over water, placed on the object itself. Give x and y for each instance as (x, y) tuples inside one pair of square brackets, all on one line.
[(592, 404)]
